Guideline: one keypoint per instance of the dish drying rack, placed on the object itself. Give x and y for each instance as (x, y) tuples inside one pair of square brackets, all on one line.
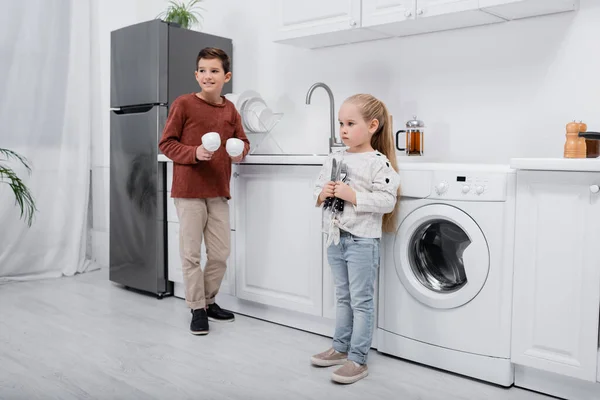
[(265, 128)]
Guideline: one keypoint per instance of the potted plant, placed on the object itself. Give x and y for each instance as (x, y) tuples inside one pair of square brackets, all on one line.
[(23, 197), (184, 15)]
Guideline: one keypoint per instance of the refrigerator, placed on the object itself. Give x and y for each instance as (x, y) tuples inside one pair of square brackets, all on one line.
[(152, 63)]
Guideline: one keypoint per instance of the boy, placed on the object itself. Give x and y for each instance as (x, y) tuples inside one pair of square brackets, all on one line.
[(201, 183)]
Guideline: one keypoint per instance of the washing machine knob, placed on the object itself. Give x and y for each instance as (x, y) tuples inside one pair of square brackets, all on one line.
[(441, 187), (466, 189), (480, 189)]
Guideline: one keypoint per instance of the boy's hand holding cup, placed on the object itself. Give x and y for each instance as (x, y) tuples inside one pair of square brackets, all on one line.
[(211, 142), (235, 148)]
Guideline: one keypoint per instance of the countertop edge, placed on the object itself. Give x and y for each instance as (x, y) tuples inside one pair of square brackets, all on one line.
[(272, 160), (556, 164)]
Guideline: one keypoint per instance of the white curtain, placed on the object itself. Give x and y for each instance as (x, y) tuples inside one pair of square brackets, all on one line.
[(46, 92)]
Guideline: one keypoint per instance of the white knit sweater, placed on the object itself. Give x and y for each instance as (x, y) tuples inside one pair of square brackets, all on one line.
[(376, 185)]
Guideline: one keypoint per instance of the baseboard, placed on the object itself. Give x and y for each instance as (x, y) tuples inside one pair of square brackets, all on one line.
[(556, 385), (489, 369), (293, 319)]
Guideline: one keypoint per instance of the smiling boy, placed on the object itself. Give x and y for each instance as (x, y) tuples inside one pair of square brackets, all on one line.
[(201, 183)]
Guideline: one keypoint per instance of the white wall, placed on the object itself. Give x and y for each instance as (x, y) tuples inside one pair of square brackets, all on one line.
[(486, 94)]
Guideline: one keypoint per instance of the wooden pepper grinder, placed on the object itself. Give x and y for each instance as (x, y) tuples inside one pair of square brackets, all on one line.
[(575, 145)]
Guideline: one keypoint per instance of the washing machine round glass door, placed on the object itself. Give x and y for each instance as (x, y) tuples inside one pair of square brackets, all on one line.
[(441, 256)]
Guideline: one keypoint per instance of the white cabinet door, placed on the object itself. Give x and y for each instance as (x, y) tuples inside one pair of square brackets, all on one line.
[(228, 283), (171, 209), (405, 17), (232, 199), (278, 237), (431, 8), (381, 12), (173, 258), (318, 23), (329, 303), (378, 12), (440, 15), (515, 9), (557, 273), (313, 17)]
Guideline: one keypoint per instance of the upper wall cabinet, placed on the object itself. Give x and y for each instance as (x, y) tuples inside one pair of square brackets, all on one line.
[(515, 9), (318, 23), (383, 12), (413, 17)]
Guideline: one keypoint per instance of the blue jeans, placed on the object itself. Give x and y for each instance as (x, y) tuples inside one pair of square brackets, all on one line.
[(354, 262)]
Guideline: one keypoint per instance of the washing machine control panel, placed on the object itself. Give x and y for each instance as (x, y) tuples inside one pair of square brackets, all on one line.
[(456, 185)]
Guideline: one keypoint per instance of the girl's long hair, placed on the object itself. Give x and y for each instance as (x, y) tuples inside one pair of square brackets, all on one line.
[(382, 140)]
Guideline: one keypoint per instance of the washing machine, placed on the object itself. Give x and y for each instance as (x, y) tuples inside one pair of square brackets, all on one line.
[(445, 288)]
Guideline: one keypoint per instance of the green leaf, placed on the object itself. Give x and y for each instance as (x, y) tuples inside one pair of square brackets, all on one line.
[(9, 154), (23, 197)]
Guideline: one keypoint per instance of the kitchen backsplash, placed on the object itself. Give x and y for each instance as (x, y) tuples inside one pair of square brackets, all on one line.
[(487, 93)]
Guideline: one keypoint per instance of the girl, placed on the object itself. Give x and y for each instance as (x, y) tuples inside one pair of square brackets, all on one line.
[(368, 188)]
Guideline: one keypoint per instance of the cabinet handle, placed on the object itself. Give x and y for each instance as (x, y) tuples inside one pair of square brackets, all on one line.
[(235, 174), (352, 23), (407, 13), (594, 188), (420, 11)]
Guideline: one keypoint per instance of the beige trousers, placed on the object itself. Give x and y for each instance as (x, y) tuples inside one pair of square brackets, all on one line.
[(198, 219)]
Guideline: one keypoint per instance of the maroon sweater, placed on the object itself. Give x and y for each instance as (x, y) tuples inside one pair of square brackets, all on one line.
[(189, 119)]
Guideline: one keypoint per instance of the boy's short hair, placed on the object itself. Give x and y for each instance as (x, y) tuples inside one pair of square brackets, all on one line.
[(210, 53)]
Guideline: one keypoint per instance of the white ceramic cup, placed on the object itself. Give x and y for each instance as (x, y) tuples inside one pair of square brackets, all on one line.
[(234, 147), (211, 141)]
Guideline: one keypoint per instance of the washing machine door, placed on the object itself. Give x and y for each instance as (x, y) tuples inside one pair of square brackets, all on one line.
[(441, 256)]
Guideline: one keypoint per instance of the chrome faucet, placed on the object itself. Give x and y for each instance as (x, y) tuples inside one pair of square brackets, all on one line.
[(333, 141)]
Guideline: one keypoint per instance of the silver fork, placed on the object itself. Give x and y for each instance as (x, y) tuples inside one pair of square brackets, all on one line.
[(338, 204)]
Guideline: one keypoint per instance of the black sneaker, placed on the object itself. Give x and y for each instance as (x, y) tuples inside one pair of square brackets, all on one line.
[(216, 313), (199, 325)]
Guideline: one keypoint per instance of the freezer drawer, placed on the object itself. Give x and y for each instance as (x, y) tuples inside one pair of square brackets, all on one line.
[(139, 64), (154, 62)]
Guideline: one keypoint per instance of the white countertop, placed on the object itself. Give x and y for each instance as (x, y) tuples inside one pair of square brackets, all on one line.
[(556, 164), (275, 159)]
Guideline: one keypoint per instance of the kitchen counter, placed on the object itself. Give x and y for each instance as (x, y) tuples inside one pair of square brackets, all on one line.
[(556, 164), (276, 159)]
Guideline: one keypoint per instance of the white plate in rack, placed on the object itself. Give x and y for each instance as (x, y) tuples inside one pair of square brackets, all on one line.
[(251, 114), (244, 97)]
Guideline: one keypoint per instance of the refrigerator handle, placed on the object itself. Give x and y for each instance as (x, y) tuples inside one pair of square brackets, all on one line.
[(134, 109)]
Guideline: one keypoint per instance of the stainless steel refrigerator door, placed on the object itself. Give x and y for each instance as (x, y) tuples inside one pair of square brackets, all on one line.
[(184, 46), (138, 67), (137, 201)]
